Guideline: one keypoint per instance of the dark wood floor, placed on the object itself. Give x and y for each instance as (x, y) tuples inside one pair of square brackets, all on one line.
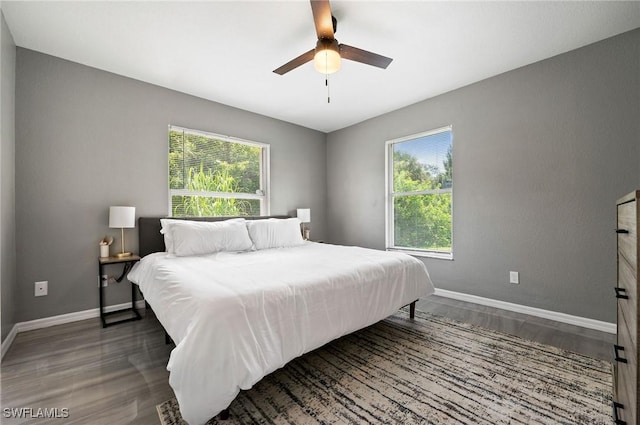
[(118, 375), (580, 340)]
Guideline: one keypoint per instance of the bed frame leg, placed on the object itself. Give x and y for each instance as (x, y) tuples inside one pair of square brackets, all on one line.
[(224, 415), (412, 310)]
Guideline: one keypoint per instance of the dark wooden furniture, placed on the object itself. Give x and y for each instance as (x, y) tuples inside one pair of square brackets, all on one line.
[(128, 263), (625, 365)]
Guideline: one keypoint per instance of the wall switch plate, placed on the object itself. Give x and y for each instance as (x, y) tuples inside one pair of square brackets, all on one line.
[(514, 277), (41, 288)]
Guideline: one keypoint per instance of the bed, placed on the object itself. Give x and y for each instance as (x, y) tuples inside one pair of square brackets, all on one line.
[(238, 315)]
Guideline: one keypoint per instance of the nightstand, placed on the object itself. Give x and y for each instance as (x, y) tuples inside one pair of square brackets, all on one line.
[(128, 263)]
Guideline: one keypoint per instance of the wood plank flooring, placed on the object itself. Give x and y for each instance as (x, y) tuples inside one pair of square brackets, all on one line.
[(118, 375), (589, 342)]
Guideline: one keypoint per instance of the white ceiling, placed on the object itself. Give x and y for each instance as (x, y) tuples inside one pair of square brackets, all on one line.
[(226, 51)]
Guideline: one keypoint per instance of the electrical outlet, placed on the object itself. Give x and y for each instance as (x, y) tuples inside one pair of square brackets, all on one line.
[(41, 288), (514, 277), (104, 280)]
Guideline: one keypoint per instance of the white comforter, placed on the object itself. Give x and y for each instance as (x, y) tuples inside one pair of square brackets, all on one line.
[(236, 317)]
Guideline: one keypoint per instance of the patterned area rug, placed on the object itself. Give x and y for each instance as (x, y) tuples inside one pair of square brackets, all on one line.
[(428, 371)]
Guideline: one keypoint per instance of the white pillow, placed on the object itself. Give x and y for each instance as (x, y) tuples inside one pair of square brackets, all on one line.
[(187, 237), (275, 232), (165, 229)]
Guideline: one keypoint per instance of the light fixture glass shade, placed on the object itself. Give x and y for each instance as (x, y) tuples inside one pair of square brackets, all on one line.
[(122, 217), (327, 57), (304, 215)]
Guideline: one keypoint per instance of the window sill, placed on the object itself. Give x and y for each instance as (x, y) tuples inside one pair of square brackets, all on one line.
[(428, 254)]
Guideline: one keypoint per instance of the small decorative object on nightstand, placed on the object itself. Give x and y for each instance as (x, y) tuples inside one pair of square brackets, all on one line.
[(132, 312), (304, 215), (123, 218), (105, 243)]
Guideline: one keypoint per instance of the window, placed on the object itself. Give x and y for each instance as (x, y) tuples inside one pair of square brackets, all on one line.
[(213, 175), (419, 193)]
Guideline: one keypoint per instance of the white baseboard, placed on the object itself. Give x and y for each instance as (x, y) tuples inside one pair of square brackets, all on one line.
[(8, 341), (59, 320), (533, 311)]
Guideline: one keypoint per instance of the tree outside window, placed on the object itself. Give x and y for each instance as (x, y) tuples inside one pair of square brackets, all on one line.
[(420, 193)]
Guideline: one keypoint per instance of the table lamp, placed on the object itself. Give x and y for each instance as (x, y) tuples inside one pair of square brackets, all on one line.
[(123, 218)]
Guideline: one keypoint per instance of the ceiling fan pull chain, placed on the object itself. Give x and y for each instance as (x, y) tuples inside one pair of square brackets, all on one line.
[(326, 75), (326, 83)]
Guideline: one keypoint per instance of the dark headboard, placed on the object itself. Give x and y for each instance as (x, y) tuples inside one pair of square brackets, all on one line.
[(150, 239)]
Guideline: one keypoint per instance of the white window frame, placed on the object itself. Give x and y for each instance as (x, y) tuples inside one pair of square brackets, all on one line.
[(390, 194), (265, 172)]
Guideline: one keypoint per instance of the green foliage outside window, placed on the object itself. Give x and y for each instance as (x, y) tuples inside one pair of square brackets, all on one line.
[(201, 163), (422, 221)]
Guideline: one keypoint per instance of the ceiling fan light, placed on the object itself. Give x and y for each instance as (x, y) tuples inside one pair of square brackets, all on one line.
[(327, 57)]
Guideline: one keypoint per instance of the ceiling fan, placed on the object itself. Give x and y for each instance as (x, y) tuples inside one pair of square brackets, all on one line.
[(327, 53)]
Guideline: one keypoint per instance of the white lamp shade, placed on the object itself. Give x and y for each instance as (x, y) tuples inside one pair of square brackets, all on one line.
[(122, 217), (304, 214)]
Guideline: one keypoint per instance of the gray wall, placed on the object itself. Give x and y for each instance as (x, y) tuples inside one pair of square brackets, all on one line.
[(87, 139), (541, 154), (7, 178)]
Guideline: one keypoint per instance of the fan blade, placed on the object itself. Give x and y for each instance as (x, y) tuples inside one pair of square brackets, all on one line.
[(293, 64), (363, 56), (322, 18)]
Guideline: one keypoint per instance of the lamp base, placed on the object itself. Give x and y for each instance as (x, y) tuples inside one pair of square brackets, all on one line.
[(123, 254)]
